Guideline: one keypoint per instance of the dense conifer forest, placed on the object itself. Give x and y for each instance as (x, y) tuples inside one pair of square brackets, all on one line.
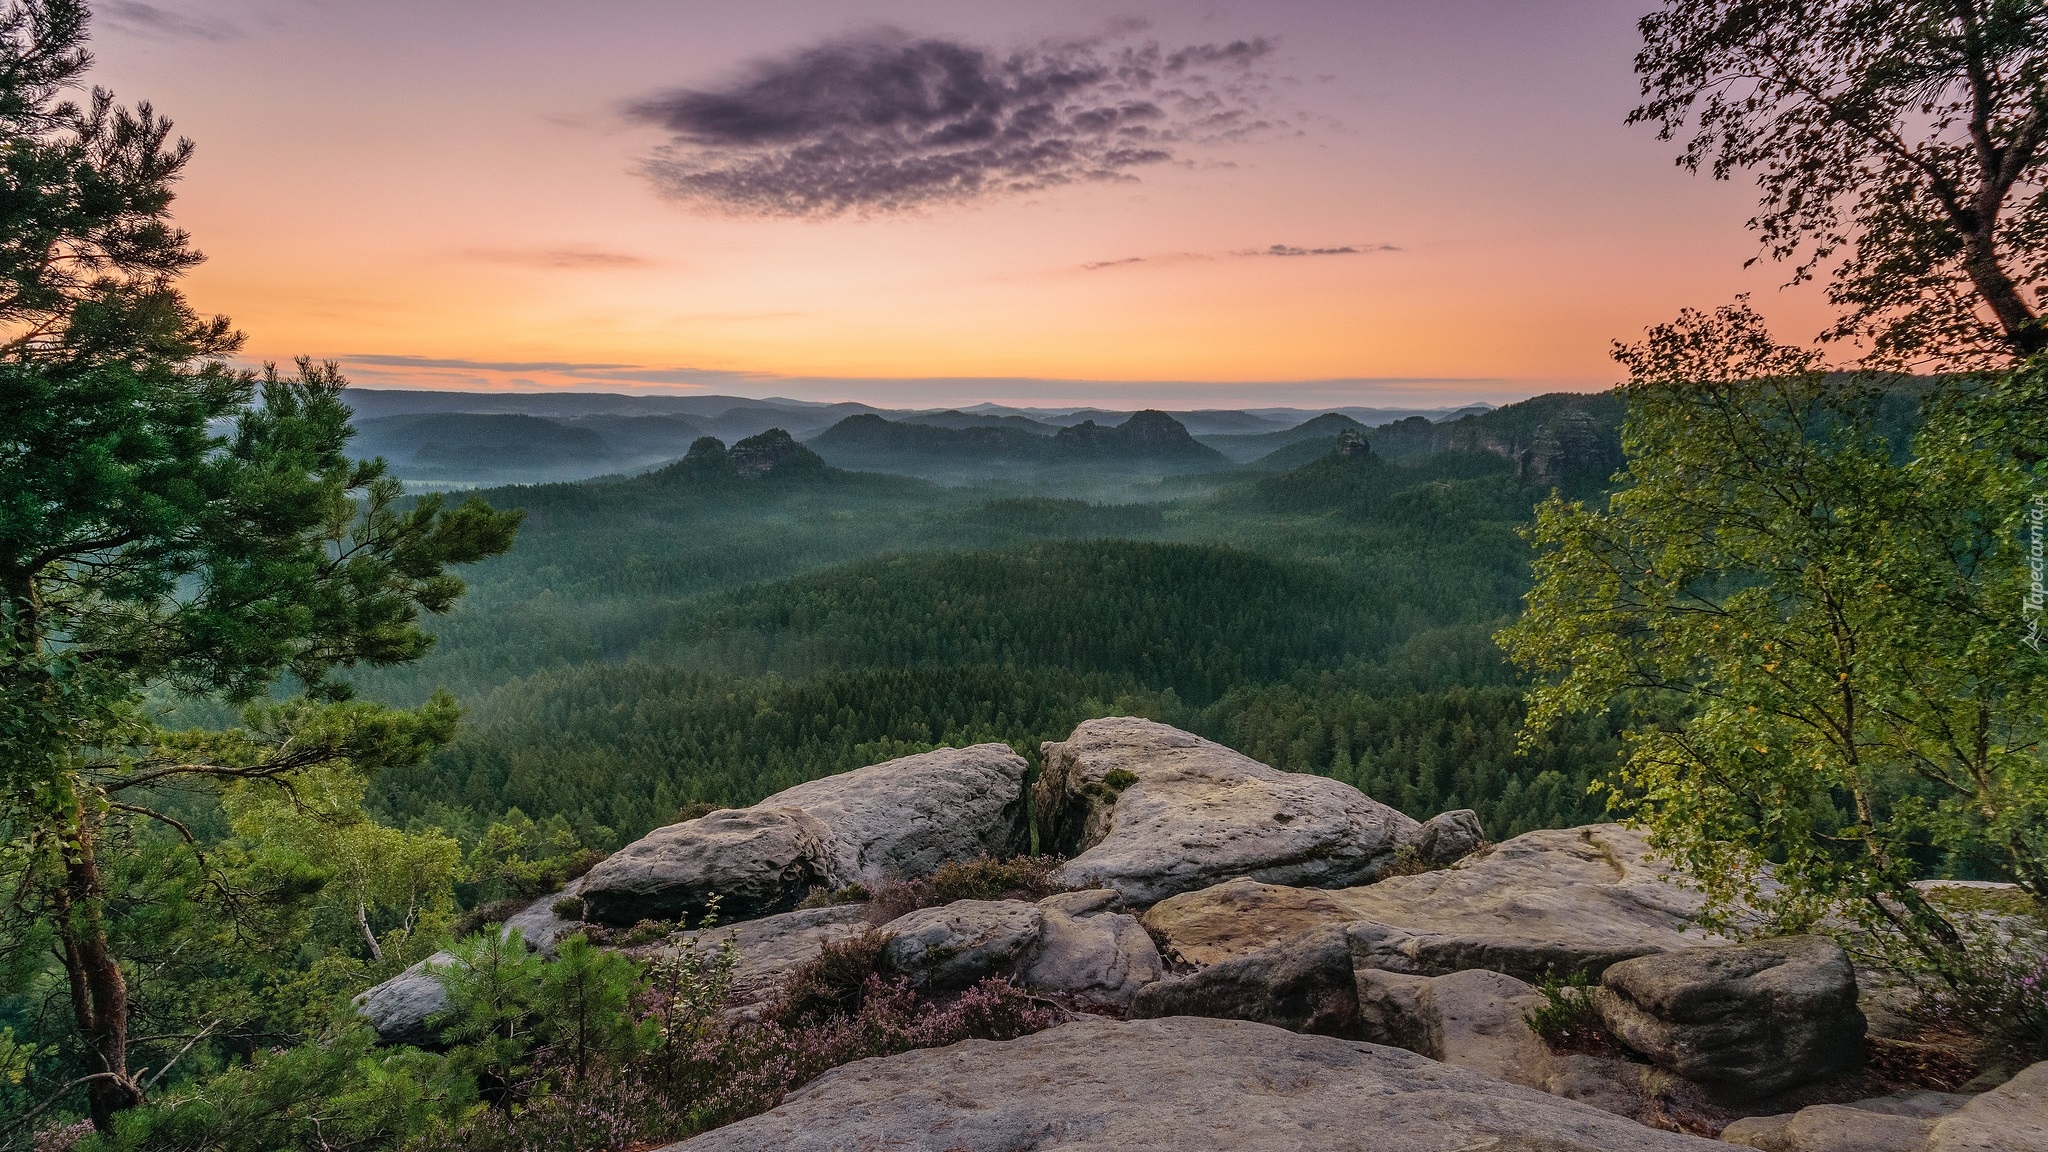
[(690, 637)]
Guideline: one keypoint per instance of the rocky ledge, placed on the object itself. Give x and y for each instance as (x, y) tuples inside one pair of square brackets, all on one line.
[(1259, 959)]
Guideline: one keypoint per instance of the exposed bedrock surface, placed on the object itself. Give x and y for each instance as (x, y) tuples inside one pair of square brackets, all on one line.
[(902, 818), (1563, 900), (1185, 1084), (1152, 811)]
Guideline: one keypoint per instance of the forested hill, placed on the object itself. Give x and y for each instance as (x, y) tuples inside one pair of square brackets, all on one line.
[(695, 636), (960, 451)]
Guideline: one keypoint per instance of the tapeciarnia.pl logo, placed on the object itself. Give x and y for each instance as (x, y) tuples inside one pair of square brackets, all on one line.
[(2037, 573)]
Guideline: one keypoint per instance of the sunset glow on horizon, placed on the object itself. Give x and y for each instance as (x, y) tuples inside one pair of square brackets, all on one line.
[(1363, 203)]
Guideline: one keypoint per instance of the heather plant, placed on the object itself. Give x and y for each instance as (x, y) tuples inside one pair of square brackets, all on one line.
[(831, 984), (983, 878), (1998, 989)]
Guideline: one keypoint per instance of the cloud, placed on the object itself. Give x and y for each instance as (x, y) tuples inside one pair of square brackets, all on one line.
[(558, 257), (483, 365), (1275, 250), (884, 122), (150, 20), (1342, 250)]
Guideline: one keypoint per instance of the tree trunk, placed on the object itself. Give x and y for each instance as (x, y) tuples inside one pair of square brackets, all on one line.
[(99, 993), (2021, 326)]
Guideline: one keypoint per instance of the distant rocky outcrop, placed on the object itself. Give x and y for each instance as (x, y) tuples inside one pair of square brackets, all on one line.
[(868, 441), (1564, 438), (1188, 1084), (771, 453), (900, 818), (1152, 811), (1150, 434)]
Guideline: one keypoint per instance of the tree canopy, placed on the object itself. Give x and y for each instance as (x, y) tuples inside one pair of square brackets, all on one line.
[(167, 522), (1899, 148)]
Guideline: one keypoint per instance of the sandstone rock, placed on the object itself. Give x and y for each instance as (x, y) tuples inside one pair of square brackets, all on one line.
[(1390, 1008), (1449, 837), (401, 1009), (1152, 811), (1183, 1084), (1561, 900), (1239, 917), (1621, 1087), (2012, 1117), (1830, 1128), (957, 944), (903, 818), (756, 860), (768, 948), (1305, 985), (539, 925), (1747, 1020), (1557, 900), (1091, 956), (1476, 1020)]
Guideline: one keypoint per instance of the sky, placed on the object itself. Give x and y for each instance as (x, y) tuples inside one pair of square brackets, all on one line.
[(909, 202)]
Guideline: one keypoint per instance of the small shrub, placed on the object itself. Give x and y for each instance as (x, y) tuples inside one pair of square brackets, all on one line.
[(832, 897), (830, 984), (1022, 878), (1407, 861), (1567, 1018), (695, 810), (568, 907), (1996, 987), (1118, 779), (646, 932), (495, 912)]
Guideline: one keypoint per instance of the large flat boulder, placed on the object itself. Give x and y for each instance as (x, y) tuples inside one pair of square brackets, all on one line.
[(1830, 1128), (1185, 1084), (1152, 811), (900, 818), (1558, 900), (755, 861), (903, 818), (1748, 1020), (2012, 1117)]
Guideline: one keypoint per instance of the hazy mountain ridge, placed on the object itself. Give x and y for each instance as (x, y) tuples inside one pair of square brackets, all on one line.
[(481, 439)]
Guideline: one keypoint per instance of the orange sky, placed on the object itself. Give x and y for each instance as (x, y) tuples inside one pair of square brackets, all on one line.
[(459, 182)]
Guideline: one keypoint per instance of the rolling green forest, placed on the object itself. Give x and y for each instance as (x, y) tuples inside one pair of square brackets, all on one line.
[(310, 694), (689, 636)]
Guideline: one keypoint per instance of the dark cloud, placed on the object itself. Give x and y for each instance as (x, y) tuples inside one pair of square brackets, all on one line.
[(150, 20), (1343, 250), (1275, 250), (884, 122)]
